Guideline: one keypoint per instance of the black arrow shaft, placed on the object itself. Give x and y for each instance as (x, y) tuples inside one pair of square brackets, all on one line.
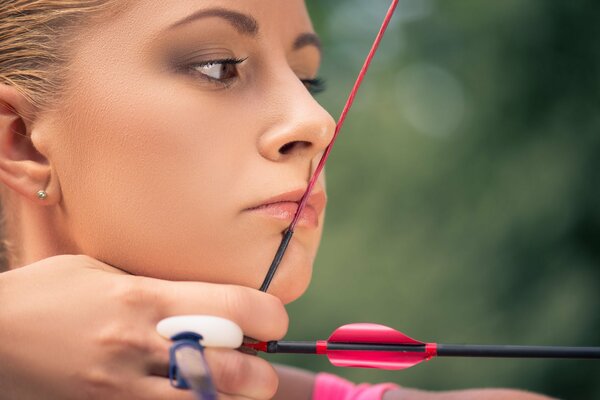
[(443, 350), (284, 346), (470, 350)]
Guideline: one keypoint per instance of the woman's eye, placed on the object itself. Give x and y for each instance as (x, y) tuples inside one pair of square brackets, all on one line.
[(314, 86), (218, 70)]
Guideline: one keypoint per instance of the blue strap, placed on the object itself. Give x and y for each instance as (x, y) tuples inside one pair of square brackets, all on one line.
[(192, 340)]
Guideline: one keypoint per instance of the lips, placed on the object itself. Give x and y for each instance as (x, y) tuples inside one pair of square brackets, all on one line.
[(285, 205)]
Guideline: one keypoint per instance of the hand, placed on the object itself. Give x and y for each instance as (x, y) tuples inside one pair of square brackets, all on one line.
[(72, 327)]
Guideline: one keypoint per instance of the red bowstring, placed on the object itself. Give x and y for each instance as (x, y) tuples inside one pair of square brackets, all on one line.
[(313, 180), (349, 102)]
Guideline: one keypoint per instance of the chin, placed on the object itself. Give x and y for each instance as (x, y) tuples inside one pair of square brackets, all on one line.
[(293, 275), (222, 265), (288, 292)]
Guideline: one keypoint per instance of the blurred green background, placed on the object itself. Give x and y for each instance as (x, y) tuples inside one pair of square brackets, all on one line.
[(465, 188)]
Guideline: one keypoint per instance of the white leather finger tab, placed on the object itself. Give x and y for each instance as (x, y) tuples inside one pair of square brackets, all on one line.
[(215, 331)]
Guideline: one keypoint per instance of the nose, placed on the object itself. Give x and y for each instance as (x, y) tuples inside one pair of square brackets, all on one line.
[(299, 128)]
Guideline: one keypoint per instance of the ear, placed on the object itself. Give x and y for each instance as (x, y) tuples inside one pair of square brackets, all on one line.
[(23, 169)]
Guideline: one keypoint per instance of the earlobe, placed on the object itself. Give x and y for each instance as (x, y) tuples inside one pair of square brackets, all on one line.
[(23, 169)]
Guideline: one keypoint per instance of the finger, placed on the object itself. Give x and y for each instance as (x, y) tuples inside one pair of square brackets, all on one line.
[(223, 396), (260, 315), (235, 373), (155, 388), (232, 372), (158, 362)]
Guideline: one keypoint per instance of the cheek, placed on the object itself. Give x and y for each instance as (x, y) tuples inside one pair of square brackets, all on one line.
[(147, 176)]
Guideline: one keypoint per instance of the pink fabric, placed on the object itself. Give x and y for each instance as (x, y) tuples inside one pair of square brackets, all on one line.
[(331, 387)]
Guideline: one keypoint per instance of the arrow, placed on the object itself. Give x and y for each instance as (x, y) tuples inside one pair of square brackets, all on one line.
[(377, 346)]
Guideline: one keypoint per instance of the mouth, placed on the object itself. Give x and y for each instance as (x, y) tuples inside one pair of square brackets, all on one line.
[(284, 207)]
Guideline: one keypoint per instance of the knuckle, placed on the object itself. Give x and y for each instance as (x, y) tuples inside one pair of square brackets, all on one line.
[(132, 292), (99, 383), (118, 339)]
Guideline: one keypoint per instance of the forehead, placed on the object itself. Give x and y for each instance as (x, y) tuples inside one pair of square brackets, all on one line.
[(150, 17)]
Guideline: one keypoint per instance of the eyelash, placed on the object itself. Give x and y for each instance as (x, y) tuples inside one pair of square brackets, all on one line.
[(314, 86), (225, 82)]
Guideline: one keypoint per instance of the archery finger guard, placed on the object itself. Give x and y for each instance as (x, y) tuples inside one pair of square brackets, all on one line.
[(215, 331)]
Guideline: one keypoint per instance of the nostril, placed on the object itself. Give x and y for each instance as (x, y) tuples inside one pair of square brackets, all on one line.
[(295, 146)]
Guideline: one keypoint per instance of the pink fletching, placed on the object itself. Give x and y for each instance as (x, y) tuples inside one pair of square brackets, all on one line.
[(373, 334), (375, 359), (370, 333)]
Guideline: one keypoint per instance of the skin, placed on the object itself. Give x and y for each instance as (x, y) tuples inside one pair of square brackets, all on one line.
[(155, 166), (150, 170)]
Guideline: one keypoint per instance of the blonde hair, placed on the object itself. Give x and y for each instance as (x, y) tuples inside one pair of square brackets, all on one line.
[(36, 37)]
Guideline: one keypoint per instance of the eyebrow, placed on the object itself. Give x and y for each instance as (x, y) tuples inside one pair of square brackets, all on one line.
[(307, 39), (243, 23)]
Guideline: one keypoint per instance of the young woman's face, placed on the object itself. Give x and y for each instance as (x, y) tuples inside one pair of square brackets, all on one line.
[(180, 122)]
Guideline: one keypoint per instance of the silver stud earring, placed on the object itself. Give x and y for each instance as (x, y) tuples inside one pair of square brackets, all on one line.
[(42, 195)]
